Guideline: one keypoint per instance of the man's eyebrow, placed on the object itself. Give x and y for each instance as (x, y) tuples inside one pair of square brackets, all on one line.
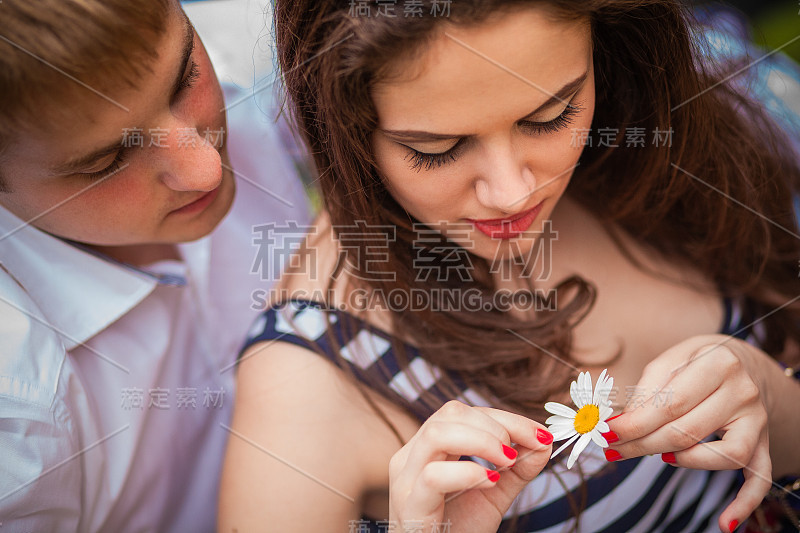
[(188, 48), (82, 162), (559, 96), (85, 161)]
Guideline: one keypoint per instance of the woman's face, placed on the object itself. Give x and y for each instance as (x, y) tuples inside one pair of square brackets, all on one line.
[(469, 131)]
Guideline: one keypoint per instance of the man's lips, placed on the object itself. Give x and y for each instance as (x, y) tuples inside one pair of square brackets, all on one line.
[(509, 227), (199, 204)]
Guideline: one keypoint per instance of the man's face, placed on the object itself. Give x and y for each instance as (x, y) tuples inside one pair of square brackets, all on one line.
[(157, 172)]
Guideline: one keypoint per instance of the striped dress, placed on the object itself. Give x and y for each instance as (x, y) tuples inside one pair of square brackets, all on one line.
[(639, 495)]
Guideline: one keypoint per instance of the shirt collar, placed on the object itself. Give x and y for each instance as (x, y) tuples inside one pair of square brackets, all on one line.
[(78, 294)]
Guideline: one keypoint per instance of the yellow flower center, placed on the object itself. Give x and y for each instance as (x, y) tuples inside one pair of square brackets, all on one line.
[(587, 418)]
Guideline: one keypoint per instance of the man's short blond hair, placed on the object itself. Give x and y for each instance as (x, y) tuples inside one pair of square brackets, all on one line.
[(45, 45)]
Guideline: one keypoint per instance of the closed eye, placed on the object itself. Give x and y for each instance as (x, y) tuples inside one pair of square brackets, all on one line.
[(191, 78), (427, 161), (113, 167), (552, 126)]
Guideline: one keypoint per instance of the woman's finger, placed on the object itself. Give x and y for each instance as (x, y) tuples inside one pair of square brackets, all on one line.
[(440, 439), (734, 451), (710, 415), (439, 478), (530, 464), (534, 445), (757, 482), (675, 387), (520, 429)]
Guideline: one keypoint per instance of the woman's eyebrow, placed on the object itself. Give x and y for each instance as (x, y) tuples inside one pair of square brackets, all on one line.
[(560, 95), (423, 136)]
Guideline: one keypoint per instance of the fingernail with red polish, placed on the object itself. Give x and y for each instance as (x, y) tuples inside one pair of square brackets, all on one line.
[(493, 476), (509, 452), (613, 455), (610, 437), (668, 457), (544, 436), (613, 417), (733, 525)]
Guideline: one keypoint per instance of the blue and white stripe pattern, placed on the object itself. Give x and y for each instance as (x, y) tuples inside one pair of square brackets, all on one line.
[(638, 495)]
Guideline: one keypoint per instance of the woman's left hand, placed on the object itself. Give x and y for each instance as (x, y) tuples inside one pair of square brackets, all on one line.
[(705, 385)]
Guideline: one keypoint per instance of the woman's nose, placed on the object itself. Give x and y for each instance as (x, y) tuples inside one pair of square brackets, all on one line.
[(506, 188)]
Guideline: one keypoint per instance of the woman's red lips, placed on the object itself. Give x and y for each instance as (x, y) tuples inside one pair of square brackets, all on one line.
[(509, 227), (499, 221)]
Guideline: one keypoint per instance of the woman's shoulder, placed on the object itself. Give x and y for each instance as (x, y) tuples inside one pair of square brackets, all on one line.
[(294, 370), (302, 426), (293, 413)]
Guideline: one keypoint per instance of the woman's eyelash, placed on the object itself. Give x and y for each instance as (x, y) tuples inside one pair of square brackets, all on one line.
[(420, 160), (188, 81), (558, 123), (110, 169), (428, 161)]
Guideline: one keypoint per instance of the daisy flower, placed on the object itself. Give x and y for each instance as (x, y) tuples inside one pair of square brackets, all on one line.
[(589, 422)]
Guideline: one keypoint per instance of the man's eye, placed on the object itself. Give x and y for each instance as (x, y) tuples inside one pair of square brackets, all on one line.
[(115, 165), (188, 81)]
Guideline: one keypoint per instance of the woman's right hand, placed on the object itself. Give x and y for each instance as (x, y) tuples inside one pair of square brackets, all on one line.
[(428, 485)]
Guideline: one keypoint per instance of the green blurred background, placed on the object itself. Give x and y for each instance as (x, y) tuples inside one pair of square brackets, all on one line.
[(773, 23)]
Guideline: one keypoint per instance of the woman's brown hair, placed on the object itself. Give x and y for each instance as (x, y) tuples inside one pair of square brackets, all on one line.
[(649, 74)]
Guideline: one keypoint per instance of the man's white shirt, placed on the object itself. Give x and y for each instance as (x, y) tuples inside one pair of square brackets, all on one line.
[(117, 384)]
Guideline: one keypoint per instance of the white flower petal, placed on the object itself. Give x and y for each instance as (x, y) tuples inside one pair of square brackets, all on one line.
[(602, 427), (599, 439), (563, 433), (558, 419), (598, 386), (570, 441), (559, 409), (589, 394), (609, 385), (574, 392), (603, 389), (605, 412), (557, 427), (578, 448), (585, 388), (561, 425)]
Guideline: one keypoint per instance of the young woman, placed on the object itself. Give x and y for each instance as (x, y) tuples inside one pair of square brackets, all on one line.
[(490, 231)]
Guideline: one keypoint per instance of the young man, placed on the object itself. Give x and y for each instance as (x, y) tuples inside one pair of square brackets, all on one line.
[(126, 264)]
